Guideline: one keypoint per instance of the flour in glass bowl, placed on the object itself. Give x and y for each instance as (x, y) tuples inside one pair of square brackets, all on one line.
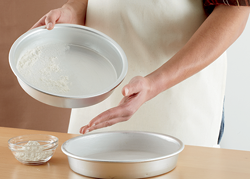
[(33, 151), (40, 66)]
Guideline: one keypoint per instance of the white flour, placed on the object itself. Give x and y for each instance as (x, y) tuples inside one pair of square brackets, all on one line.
[(66, 69), (33, 151), (41, 67), (29, 59)]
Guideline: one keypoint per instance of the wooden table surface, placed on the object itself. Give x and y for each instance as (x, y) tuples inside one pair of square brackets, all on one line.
[(193, 162)]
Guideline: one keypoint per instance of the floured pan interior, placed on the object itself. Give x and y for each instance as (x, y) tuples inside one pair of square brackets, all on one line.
[(66, 69), (71, 66)]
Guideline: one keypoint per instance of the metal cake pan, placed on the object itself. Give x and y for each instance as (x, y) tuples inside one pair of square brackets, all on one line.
[(122, 154), (88, 38)]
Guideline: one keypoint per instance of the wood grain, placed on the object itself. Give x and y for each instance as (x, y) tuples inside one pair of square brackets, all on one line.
[(193, 163)]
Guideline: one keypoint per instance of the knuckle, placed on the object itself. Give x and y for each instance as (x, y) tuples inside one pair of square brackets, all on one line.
[(129, 111), (126, 119), (93, 127), (110, 114), (107, 123), (52, 11)]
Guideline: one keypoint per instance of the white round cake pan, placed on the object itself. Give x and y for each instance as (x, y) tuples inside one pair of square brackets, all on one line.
[(123, 154), (91, 41)]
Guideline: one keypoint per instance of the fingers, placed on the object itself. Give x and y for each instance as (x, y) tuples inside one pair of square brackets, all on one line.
[(134, 96), (84, 129), (118, 112), (87, 128), (49, 19), (41, 22), (52, 18), (108, 118)]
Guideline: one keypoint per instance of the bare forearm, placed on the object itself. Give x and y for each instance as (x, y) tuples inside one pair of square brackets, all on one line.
[(214, 36)]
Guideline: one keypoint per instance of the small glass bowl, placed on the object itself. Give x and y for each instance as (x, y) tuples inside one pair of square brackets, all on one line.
[(33, 149)]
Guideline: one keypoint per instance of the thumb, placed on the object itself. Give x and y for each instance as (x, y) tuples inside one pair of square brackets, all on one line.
[(133, 87), (126, 91)]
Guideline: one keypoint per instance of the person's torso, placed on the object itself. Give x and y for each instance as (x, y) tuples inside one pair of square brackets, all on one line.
[(151, 32)]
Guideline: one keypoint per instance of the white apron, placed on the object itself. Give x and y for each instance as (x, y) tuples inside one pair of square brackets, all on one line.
[(151, 32)]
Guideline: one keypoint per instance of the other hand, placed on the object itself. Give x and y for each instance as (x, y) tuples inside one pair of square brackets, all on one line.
[(135, 94)]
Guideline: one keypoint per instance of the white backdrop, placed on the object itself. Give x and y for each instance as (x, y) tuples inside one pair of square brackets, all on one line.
[(237, 99)]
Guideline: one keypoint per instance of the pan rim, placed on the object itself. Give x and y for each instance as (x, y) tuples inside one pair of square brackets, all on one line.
[(70, 26), (69, 154)]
